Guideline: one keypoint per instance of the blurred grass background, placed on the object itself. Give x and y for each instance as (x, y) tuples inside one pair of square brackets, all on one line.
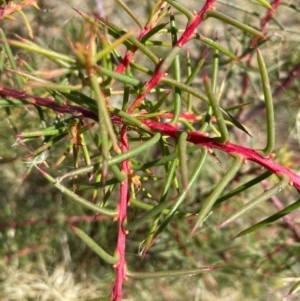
[(41, 259)]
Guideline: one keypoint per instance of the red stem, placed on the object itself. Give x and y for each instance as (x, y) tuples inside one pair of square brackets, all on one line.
[(230, 148), (47, 102), (263, 25), (122, 215), (166, 129), (128, 56), (269, 14), (193, 24), (46, 221), (25, 251), (158, 73)]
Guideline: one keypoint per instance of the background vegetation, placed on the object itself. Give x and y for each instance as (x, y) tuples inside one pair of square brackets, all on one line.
[(42, 258)]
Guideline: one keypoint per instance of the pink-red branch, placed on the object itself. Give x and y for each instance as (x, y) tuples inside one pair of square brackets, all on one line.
[(46, 221), (263, 24), (25, 252), (269, 14), (230, 148), (185, 37), (129, 55), (158, 74), (190, 30), (11, 8), (46, 102), (165, 129), (122, 215)]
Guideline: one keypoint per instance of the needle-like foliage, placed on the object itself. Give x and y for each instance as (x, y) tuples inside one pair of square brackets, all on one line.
[(152, 126)]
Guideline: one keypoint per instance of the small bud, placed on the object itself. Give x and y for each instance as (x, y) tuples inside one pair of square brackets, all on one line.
[(271, 156)]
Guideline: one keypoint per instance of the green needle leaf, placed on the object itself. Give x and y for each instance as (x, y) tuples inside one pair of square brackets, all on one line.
[(293, 290), (264, 3), (271, 219), (112, 46), (269, 104), (233, 22), (210, 201), (181, 197), (257, 200), (130, 13), (95, 247), (52, 55), (182, 143), (216, 109), (11, 58), (159, 208), (114, 160), (76, 198), (168, 274), (243, 187)]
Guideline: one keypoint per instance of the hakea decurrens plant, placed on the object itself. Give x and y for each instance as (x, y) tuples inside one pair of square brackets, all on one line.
[(115, 123)]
